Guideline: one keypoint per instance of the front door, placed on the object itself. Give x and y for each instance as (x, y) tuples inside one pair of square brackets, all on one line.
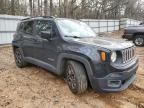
[(48, 52)]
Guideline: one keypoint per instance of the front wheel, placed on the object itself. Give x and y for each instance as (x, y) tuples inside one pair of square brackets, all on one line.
[(76, 77), (139, 40), (19, 59)]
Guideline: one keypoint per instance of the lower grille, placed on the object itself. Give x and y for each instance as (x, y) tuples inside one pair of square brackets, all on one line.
[(128, 54)]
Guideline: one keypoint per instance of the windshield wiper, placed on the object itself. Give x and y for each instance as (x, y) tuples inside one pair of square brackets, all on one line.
[(72, 36)]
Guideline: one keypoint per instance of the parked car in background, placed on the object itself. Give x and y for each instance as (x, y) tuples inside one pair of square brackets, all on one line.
[(135, 33), (142, 23), (71, 49)]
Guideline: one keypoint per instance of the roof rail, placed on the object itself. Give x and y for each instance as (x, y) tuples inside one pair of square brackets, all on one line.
[(38, 17), (48, 16), (26, 18)]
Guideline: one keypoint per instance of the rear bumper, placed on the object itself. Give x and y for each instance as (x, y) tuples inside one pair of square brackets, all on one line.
[(117, 81)]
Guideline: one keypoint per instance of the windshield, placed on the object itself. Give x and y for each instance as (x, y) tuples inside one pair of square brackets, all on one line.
[(75, 28)]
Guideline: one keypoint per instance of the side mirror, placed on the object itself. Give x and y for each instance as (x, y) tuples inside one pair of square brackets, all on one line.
[(46, 34)]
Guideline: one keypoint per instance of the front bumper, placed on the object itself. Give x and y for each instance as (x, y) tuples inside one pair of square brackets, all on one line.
[(116, 81), (127, 36)]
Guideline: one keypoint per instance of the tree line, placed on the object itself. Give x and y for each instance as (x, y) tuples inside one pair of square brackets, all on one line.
[(93, 9)]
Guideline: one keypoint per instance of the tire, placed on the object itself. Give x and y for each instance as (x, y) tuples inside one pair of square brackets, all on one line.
[(139, 40), (76, 77), (19, 58)]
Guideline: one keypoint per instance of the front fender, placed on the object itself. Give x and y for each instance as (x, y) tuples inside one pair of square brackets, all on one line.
[(84, 60)]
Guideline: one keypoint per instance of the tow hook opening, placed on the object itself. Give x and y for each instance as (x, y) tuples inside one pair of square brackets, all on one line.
[(114, 83)]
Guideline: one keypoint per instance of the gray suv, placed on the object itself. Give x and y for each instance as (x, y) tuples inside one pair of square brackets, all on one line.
[(136, 34), (69, 48)]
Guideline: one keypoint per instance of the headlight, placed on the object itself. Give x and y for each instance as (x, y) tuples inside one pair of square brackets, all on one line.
[(113, 56)]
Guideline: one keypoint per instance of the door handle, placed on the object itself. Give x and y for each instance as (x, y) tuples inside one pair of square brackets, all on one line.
[(34, 40), (29, 38), (37, 40)]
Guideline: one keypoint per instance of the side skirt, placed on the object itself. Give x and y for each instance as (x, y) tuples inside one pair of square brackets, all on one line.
[(41, 64)]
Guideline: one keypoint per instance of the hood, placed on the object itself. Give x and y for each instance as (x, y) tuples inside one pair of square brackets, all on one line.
[(108, 43), (136, 27)]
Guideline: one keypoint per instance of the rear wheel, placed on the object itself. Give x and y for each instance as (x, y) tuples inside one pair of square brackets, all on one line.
[(139, 40), (76, 77), (19, 58)]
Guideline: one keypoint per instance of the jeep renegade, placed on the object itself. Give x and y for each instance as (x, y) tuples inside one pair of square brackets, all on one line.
[(71, 49)]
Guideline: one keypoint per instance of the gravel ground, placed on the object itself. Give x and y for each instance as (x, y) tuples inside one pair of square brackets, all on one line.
[(34, 87)]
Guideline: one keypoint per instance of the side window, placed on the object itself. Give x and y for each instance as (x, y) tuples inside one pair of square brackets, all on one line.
[(44, 25), (28, 27)]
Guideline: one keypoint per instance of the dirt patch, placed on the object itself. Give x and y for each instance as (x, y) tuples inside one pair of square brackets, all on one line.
[(33, 87)]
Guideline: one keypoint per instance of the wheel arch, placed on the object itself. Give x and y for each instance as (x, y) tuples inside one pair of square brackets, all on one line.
[(63, 58), (15, 47)]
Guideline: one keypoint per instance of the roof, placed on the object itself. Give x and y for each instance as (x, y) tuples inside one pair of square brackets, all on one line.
[(43, 18), (38, 17)]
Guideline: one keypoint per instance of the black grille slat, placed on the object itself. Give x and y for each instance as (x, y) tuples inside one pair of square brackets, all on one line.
[(127, 54)]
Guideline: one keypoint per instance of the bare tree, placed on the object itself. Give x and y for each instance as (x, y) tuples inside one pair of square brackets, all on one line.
[(45, 7), (38, 4), (1, 6), (82, 8), (30, 4), (41, 8), (60, 8), (65, 8), (51, 7), (33, 8), (13, 7), (98, 9)]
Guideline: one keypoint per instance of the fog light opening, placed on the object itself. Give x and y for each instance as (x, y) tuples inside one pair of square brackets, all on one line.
[(114, 83)]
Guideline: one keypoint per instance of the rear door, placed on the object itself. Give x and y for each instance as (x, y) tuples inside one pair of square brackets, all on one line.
[(29, 43)]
